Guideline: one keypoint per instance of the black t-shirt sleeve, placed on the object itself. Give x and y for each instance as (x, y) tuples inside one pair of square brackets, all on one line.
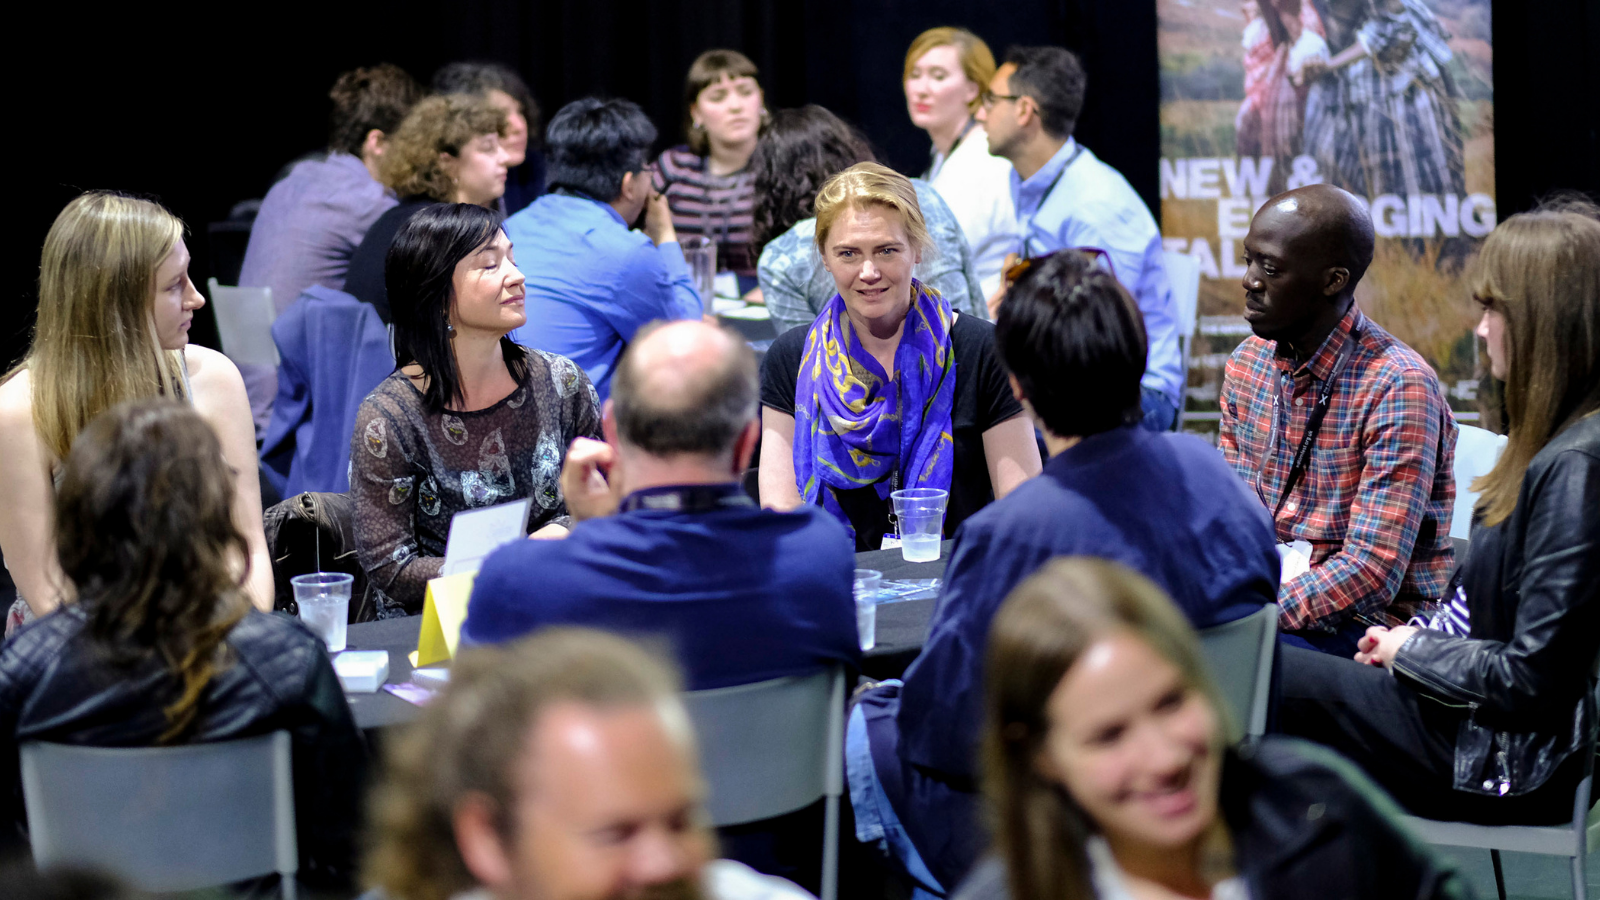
[(978, 365), (780, 371)]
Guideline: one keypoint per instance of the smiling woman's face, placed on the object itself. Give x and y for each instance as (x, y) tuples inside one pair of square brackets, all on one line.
[(1134, 745), (488, 290), (174, 299), (871, 259)]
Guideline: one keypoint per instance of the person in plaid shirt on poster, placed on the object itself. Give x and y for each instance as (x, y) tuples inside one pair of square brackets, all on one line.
[(1374, 495)]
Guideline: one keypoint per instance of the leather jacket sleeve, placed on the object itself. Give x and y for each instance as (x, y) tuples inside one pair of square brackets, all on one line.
[(330, 765), (1532, 680)]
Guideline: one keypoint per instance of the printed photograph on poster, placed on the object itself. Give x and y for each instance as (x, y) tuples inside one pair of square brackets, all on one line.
[(1391, 100)]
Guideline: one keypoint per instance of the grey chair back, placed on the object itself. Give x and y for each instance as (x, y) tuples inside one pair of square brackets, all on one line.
[(775, 747), (165, 818), (1240, 654)]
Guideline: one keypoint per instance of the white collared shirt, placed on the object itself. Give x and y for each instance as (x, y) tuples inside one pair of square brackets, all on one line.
[(977, 188)]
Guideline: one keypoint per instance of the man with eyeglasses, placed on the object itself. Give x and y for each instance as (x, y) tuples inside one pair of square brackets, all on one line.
[(592, 281), (1066, 197)]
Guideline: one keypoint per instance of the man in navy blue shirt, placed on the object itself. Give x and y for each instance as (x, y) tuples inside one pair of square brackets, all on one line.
[(1164, 504), (668, 545)]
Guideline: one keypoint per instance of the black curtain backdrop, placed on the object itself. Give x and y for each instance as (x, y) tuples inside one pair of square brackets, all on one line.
[(201, 107)]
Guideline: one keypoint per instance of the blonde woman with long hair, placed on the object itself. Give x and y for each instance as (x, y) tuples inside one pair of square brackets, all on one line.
[(115, 305), (1495, 727)]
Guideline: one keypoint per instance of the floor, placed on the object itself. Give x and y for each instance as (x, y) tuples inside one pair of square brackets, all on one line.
[(1528, 876)]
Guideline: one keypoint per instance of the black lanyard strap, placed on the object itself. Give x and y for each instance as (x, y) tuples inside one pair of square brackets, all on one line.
[(1302, 454), (1027, 247), (688, 498)]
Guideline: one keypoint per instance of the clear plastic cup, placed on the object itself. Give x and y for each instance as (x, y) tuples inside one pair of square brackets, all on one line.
[(700, 253), (919, 514), (868, 584), (324, 601)]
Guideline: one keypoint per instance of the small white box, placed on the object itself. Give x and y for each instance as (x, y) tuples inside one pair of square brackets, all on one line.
[(362, 671)]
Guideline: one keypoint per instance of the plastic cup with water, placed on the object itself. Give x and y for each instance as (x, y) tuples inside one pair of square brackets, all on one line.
[(920, 514), (868, 584), (324, 601), (701, 254)]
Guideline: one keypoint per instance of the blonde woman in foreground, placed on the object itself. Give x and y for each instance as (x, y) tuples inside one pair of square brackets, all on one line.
[(1111, 773), (115, 305)]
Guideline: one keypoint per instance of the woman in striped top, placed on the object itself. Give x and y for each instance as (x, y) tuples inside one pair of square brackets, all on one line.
[(707, 181)]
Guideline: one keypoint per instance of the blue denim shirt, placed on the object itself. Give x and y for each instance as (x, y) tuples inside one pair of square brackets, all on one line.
[(1092, 205), (593, 282)]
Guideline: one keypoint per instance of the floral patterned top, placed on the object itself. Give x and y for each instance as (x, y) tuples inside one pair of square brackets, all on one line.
[(412, 470)]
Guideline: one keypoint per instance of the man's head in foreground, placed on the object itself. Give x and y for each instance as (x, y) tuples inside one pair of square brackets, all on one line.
[(560, 767)]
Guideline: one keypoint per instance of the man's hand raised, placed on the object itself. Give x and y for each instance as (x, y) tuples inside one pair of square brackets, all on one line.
[(590, 479)]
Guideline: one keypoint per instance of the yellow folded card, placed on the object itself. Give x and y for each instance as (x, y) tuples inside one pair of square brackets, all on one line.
[(443, 610)]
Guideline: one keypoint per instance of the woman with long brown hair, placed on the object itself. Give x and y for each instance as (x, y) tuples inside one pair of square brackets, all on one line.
[(115, 305), (1495, 727), (161, 645), (1110, 771)]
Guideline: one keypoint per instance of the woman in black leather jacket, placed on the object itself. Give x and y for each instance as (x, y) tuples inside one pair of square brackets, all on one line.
[(1494, 727), (1108, 772), (161, 645)]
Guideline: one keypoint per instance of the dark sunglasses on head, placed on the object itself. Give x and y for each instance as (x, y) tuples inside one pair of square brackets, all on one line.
[(1098, 258)]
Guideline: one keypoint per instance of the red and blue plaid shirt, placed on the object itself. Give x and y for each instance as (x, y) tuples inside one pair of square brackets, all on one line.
[(1376, 500)]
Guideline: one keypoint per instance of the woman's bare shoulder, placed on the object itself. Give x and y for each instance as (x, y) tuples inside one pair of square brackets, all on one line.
[(208, 368), (16, 400)]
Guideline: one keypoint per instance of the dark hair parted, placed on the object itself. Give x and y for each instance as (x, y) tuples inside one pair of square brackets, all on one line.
[(377, 96), (799, 151), (593, 143), (144, 531), (707, 69), (419, 274), (1042, 630), (470, 741), (482, 77), (704, 416), (1075, 341), (1055, 79)]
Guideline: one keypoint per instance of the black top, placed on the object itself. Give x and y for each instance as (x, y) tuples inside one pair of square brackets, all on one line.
[(56, 685), (1533, 590), (1306, 824), (364, 279), (983, 400)]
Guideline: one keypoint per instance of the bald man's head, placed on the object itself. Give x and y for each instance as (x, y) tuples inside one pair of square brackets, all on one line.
[(685, 387), (1306, 251)]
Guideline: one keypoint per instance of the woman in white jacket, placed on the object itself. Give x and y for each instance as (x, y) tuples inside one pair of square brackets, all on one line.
[(945, 75)]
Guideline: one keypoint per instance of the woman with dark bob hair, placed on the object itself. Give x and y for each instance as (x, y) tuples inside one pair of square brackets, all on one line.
[(1110, 769), (1495, 726), (469, 418), (160, 645)]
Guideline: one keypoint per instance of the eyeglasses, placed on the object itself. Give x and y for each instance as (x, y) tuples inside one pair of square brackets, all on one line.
[(1098, 259), (990, 98)]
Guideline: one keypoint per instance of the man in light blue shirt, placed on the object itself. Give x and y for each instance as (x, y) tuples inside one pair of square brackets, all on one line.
[(593, 282), (1066, 197)]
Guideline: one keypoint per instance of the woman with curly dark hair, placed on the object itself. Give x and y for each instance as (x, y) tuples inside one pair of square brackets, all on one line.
[(158, 644), (800, 150), (448, 150)]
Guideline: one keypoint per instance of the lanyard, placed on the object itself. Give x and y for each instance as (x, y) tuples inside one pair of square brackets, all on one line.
[(688, 498), (1027, 242), (935, 164), (1302, 454)]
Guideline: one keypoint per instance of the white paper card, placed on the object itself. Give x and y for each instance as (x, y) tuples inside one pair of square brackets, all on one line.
[(361, 671), (474, 534), (725, 284), (1295, 559)]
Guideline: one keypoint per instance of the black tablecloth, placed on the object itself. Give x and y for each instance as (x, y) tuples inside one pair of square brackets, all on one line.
[(902, 627)]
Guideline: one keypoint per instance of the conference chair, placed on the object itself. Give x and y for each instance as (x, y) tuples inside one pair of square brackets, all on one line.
[(1571, 840), (165, 819), (773, 748), (244, 323), (1477, 450), (1183, 273), (1240, 655)]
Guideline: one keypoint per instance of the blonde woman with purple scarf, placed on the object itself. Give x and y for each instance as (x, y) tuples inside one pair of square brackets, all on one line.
[(888, 388)]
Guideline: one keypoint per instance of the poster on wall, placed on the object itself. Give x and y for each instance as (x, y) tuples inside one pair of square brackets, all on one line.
[(1391, 100)]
